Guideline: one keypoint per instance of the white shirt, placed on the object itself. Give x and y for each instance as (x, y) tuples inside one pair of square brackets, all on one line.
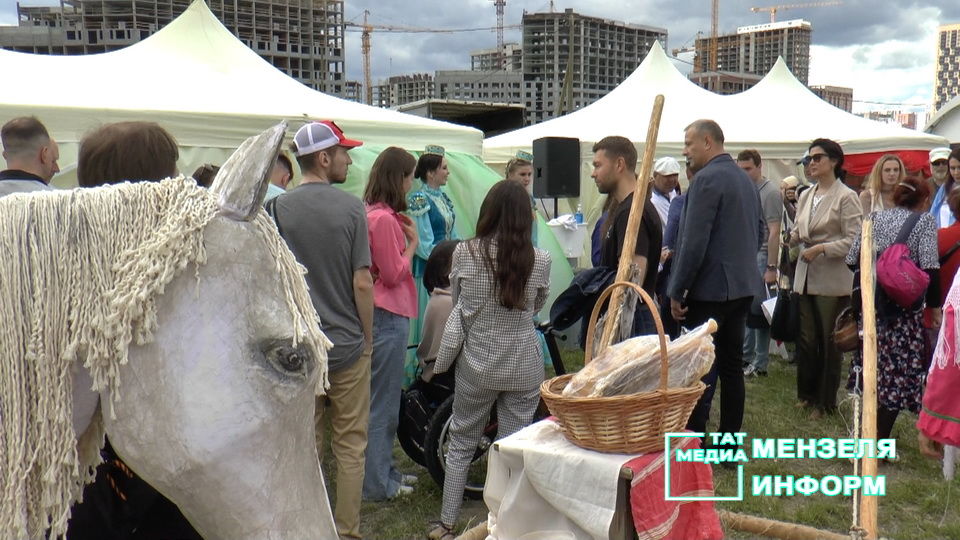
[(662, 203)]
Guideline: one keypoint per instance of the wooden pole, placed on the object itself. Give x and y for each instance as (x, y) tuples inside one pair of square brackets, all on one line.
[(868, 424), (633, 223), (775, 529)]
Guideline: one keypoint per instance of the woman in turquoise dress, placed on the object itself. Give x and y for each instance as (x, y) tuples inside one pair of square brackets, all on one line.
[(432, 211)]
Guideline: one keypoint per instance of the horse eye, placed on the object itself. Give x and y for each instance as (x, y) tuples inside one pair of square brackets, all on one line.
[(289, 359)]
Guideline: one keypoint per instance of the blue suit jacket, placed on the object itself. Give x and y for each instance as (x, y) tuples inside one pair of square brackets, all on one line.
[(719, 237)]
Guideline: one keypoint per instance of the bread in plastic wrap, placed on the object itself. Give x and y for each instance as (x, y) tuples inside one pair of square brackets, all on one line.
[(633, 365)]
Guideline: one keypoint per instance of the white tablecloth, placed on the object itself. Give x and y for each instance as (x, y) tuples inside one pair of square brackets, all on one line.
[(538, 481)]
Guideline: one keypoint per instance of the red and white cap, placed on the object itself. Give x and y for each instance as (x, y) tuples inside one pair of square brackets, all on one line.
[(321, 135)]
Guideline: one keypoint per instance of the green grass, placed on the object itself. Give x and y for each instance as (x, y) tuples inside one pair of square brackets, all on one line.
[(919, 504)]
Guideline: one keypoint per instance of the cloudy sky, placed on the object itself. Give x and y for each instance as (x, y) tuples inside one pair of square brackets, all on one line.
[(883, 49)]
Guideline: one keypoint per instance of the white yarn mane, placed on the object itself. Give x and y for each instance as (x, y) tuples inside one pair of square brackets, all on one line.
[(80, 272)]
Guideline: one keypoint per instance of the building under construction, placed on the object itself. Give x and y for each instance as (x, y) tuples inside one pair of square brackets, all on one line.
[(302, 38), (750, 53), (602, 53)]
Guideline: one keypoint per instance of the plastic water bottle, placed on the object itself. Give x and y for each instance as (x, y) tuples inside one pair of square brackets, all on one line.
[(578, 217)]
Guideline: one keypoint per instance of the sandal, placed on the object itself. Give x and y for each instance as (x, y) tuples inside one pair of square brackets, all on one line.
[(439, 531)]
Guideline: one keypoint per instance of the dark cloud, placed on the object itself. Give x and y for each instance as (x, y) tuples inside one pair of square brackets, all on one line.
[(905, 59), (854, 22)]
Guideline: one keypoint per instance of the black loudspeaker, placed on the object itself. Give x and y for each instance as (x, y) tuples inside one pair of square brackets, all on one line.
[(556, 167)]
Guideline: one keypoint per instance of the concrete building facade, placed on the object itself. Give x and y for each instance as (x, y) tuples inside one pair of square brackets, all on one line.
[(302, 38), (401, 89), (489, 60), (947, 81), (604, 53), (755, 49), (490, 86), (840, 97)]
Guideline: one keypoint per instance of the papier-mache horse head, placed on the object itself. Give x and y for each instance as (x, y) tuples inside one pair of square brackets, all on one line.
[(175, 320)]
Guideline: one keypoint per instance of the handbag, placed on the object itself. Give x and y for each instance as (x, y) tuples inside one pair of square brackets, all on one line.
[(846, 331), (897, 274), (785, 323)]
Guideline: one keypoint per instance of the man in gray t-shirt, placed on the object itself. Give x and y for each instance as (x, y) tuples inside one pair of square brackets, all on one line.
[(326, 228), (756, 344)]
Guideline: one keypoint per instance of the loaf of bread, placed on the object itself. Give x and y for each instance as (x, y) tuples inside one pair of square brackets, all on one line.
[(633, 365)]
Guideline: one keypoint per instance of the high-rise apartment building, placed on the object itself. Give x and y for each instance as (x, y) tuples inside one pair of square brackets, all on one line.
[(603, 52), (947, 82), (754, 50), (489, 60), (303, 38), (401, 89)]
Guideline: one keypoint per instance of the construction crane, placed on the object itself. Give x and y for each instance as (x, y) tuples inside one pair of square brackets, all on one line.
[(501, 59), (774, 9), (714, 33), (365, 42)]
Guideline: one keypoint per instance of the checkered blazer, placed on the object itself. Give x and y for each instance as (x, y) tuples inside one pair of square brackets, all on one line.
[(497, 344)]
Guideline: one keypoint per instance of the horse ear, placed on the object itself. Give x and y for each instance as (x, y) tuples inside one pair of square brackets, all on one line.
[(241, 183)]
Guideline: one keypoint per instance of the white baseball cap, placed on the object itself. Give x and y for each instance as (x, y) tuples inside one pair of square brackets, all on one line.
[(321, 135), (939, 153), (666, 166)]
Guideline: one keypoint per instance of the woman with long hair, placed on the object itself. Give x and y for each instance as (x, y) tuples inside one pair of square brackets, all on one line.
[(393, 242), (902, 353), (498, 283), (433, 214), (828, 220), (887, 172)]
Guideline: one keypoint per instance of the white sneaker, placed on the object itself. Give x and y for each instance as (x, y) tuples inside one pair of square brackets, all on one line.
[(402, 491), (409, 479)]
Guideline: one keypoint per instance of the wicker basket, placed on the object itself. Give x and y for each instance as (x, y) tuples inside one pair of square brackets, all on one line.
[(627, 424)]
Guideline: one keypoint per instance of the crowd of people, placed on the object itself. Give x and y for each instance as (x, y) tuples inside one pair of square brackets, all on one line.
[(401, 295)]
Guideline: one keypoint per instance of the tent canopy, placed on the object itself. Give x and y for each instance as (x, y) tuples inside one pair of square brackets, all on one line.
[(202, 84), (778, 117), (946, 121), (210, 91)]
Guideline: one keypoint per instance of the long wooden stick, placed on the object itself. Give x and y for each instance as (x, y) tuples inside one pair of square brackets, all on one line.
[(775, 529), (868, 424), (634, 222)]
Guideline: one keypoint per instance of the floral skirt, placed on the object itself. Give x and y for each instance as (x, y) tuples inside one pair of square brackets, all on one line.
[(902, 361)]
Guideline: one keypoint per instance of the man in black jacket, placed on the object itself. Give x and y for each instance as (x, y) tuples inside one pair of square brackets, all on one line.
[(714, 271)]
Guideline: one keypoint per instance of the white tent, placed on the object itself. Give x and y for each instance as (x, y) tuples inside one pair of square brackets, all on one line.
[(202, 84), (778, 117), (946, 121)]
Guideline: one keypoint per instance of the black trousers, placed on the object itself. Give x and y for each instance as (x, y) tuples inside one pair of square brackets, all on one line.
[(731, 317)]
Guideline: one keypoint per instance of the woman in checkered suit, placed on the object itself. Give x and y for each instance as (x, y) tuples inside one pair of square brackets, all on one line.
[(499, 281)]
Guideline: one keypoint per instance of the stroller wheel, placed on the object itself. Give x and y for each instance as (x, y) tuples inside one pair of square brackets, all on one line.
[(437, 440)]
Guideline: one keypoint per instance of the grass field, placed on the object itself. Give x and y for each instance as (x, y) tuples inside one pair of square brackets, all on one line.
[(918, 504)]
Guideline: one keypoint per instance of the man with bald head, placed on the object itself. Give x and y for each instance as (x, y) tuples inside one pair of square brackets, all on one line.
[(31, 156), (715, 272)]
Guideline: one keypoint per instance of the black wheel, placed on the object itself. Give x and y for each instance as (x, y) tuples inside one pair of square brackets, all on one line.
[(412, 426), (437, 439)]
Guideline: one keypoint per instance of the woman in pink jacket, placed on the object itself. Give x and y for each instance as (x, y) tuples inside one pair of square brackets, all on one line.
[(393, 242)]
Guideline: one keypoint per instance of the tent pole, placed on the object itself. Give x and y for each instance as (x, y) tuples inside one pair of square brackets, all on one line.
[(868, 425)]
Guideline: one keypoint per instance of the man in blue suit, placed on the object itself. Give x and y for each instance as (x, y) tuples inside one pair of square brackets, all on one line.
[(714, 270)]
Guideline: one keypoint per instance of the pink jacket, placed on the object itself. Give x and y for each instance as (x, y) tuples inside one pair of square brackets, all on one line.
[(393, 287)]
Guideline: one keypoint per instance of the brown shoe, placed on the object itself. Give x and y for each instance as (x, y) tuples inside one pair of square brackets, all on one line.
[(802, 403), (439, 531)]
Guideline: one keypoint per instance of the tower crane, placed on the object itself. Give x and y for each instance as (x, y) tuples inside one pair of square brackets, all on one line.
[(774, 9), (365, 42), (500, 5), (714, 33)]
